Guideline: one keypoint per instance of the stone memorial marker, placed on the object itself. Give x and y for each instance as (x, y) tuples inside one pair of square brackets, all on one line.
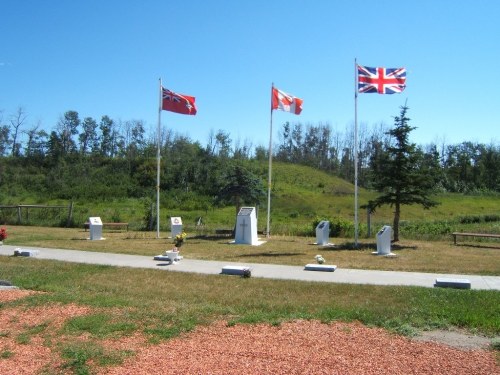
[(246, 227), (95, 228), (322, 233), (384, 236), (175, 226)]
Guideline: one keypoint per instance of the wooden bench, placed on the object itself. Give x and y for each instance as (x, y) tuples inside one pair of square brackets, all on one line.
[(463, 234), (224, 232), (109, 225)]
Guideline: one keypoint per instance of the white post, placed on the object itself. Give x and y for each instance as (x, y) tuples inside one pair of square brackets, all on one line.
[(270, 167), (158, 165), (355, 153)]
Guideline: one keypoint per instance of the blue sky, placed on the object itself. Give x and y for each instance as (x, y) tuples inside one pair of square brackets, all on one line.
[(106, 58)]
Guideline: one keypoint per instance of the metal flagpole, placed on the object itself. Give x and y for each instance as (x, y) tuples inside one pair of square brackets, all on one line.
[(355, 153), (158, 167), (270, 166)]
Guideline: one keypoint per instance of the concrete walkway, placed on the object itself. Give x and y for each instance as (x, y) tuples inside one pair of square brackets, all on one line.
[(271, 271)]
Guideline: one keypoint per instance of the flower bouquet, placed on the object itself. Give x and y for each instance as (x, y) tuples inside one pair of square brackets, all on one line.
[(179, 239), (3, 234)]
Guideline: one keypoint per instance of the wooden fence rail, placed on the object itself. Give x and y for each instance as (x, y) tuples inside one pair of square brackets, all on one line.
[(27, 207)]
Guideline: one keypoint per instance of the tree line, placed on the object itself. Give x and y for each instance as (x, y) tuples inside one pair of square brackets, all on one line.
[(468, 167), (86, 158)]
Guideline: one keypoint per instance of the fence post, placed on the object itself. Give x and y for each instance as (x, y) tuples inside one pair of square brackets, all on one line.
[(368, 219), (70, 214), (18, 214)]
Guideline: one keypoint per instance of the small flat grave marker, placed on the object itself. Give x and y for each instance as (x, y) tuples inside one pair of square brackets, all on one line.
[(320, 267), (236, 270), (25, 253), (452, 283), (169, 256)]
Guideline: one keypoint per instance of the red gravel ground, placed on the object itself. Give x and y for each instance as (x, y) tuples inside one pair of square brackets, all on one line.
[(299, 347)]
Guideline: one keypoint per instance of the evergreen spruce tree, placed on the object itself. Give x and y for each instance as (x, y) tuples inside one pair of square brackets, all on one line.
[(402, 176)]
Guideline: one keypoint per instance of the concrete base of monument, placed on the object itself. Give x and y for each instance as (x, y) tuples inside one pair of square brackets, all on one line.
[(255, 243), (96, 239), (388, 255), (25, 253), (324, 244), (320, 267), (452, 283)]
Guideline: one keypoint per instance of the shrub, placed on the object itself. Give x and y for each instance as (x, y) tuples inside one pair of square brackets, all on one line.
[(339, 227), (433, 228), (470, 219), (491, 218)]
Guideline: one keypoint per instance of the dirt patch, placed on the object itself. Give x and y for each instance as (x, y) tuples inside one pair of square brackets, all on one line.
[(298, 347), (455, 339)]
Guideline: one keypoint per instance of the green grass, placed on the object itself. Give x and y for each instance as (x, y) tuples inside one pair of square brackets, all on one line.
[(99, 325), (161, 305), (6, 353), (77, 356), (165, 303)]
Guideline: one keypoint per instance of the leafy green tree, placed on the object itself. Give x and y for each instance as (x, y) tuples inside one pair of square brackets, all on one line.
[(261, 153), (67, 127), (241, 187), (54, 147), (222, 147), (106, 126), (490, 167), (402, 176), (4, 139), (285, 148), (36, 144), (88, 137), (137, 144)]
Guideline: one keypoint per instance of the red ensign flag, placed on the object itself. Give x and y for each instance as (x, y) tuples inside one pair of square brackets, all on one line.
[(178, 103)]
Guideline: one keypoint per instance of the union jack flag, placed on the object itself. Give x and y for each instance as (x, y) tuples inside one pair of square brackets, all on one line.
[(381, 80)]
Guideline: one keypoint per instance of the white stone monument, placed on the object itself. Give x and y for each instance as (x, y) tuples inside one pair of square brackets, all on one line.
[(175, 226), (384, 236), (95, 228), (246, 227), (322, 233)]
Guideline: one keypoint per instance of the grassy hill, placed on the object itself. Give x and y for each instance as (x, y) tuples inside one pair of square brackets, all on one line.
[(300, 195)]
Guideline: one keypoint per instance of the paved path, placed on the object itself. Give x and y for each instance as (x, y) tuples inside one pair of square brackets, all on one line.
[(271, 271)]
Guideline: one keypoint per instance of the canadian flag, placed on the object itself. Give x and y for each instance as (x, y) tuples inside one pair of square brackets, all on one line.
[(284, 102)]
